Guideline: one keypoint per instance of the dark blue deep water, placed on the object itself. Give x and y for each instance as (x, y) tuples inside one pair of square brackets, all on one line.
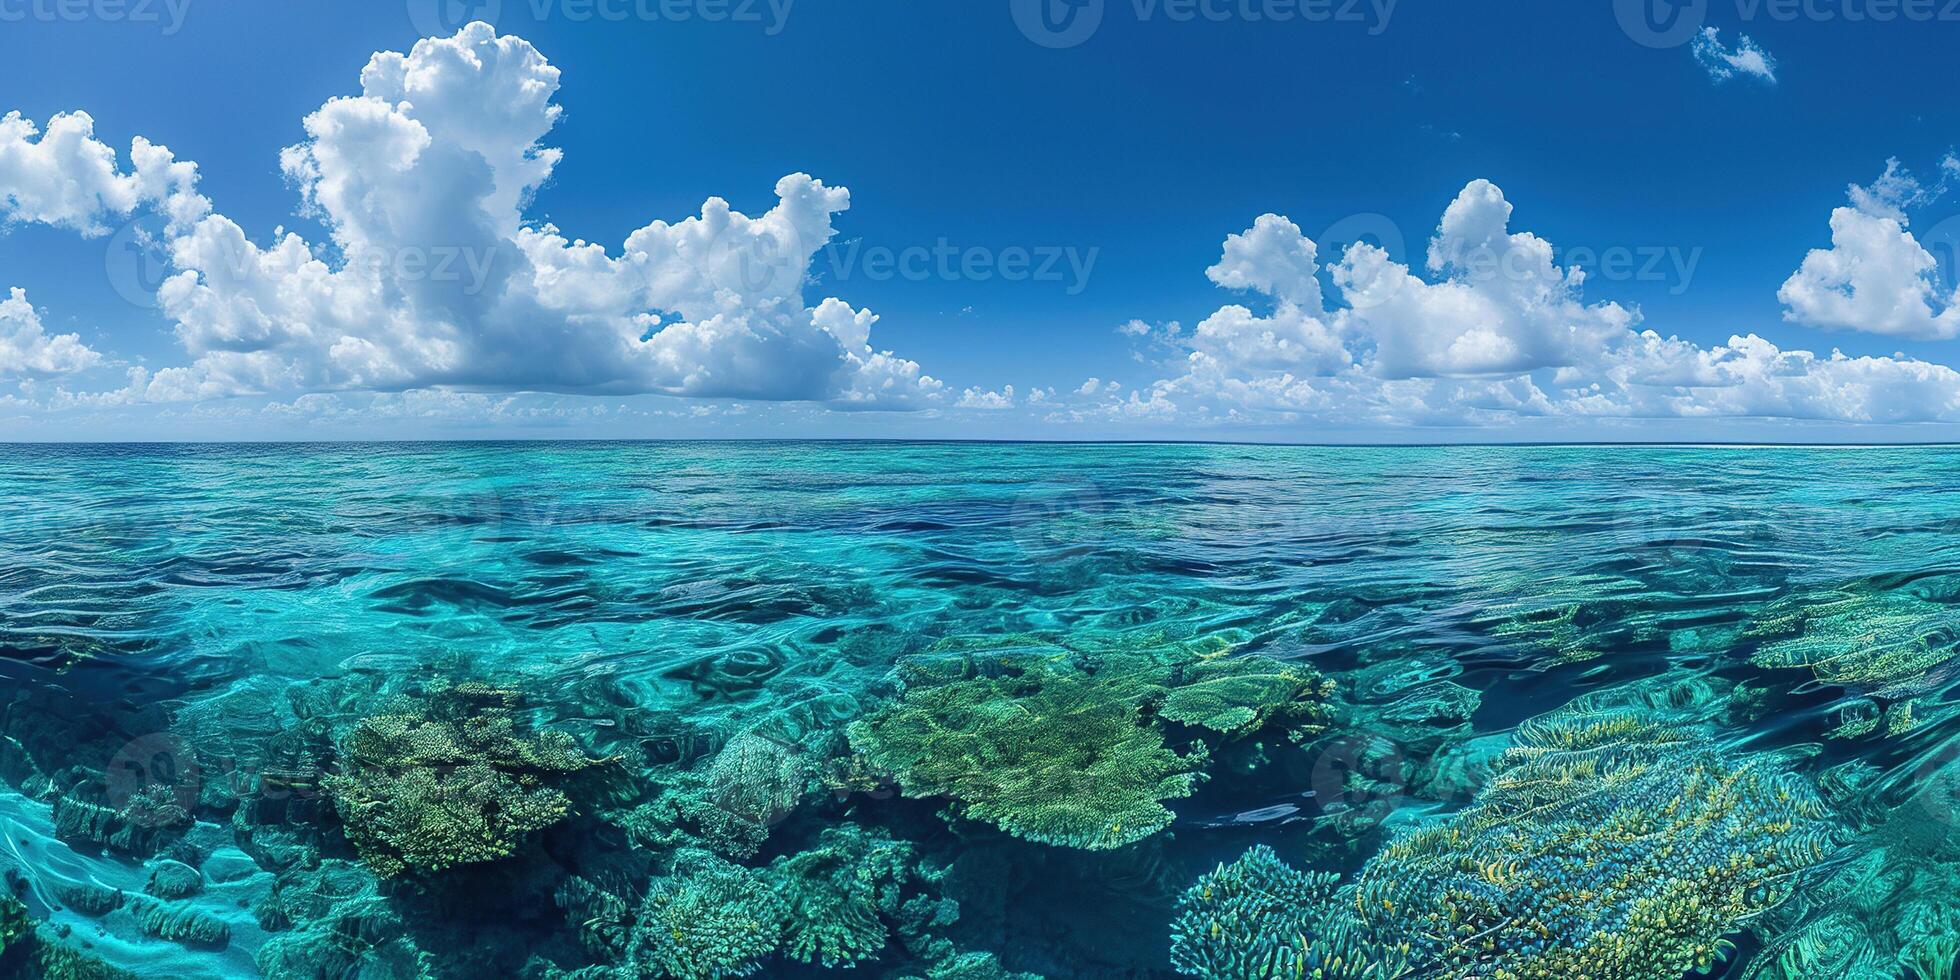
[(975, 712)]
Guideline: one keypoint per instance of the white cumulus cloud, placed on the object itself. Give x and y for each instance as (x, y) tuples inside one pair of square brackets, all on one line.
[(1876, 277), (27, 350), (1495, 332), (984, 400), (433, 276)]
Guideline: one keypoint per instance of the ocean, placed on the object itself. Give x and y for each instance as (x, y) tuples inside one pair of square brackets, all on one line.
[(968, 711)]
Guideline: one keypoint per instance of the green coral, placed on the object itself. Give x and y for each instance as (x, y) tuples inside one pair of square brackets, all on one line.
[(841, 893), (1242, 695), (1891, 642), (972, 966), (839, 903), (1562, 632), (458, 781), (1049, 755), (27, 951), (1259, 918), (706, 920), (1076, 743), (759, 779), (1614, 842)]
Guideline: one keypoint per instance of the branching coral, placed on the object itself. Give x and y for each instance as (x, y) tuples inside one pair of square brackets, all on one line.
[(458, 782), (683, 812), (1259, 918), (972, 966), (706, 920), (841, 893), (1049, 755), (1612, 843), (839, 903), (1241, 695), (1888, 642)]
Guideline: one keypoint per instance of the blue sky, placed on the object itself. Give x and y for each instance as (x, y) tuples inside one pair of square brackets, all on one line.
[(1123, 163)]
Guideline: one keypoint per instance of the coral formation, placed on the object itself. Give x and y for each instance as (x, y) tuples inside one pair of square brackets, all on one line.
[(1046, 754), (1075, 745), (457, 782), (1887, 641), (151, 817), (1260, 918), (1242, 695), (706, 919), (855, 896), (1613, 842), (179, 923), (841, 893)]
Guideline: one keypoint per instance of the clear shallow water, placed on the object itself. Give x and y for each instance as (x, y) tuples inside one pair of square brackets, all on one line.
[(168, 611)]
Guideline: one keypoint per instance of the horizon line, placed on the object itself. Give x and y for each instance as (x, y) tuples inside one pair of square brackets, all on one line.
[(848, 440)]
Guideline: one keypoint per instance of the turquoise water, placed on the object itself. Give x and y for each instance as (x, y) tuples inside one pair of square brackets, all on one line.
[(757, 651)]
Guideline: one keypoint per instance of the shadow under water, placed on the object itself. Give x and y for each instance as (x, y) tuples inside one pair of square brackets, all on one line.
[(978, 712)]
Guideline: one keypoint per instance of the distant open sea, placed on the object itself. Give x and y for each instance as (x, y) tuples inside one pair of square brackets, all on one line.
[(964, 711)]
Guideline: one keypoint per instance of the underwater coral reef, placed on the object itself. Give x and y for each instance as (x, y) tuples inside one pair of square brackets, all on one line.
[(628, 726)]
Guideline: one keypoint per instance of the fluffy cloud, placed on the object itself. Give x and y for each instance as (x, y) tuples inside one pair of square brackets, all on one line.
[(1500, 304), (1498, 331), (990, 401), (433, 276), (1876, 277), (28, 351), (1723, 63)]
